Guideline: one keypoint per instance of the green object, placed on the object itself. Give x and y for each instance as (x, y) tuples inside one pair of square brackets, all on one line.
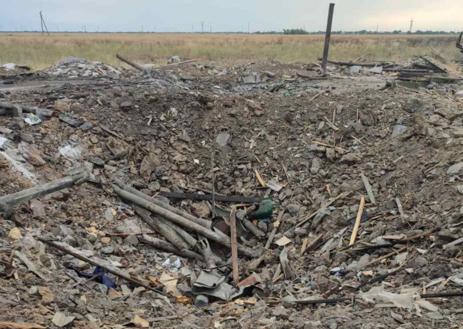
[(264, 211)]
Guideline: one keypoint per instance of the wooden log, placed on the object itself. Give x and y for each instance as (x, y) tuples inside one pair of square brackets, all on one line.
[(134, 65), (199, 221), (176, 64), (162, 228), (104, 265), (185, 235), (252, 228), (209, 197), (192, 242), (166, 246), (11, 200), (182, 221), (276, 225)]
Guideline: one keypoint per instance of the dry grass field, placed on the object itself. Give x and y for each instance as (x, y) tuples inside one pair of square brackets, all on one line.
[(40, 50)]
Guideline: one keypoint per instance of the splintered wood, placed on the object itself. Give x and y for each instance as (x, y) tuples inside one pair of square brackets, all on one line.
[(357, 221), (368, 188)]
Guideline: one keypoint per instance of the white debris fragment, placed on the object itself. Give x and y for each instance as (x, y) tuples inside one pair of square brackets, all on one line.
[(9, 66), (31, 119), (71, 152)]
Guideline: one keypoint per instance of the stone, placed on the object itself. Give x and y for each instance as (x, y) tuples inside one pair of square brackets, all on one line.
[(38, 209), (174, 59), (350, 158), (139, 322), (413, 105), (47, 295), (281, 312), (355, 69), (131, 240), (97, 161), (398, 130), (15, 234), (330, 154), (420, 262), (455, 169), (222, 139), (457, 132), (62, 320), (376, 70), (31, 154), (107, 250), (148, 165), (316, 165), (62, 105), (262, 225), (86, 126), (293, 209), (460, 189), (126, 105), (200, 209)]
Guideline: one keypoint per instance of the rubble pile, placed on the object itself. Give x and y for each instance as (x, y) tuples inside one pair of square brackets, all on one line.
[(75, 67), (288, 200)]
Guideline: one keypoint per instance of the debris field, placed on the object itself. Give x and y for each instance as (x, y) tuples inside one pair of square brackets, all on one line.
[(204, 195)]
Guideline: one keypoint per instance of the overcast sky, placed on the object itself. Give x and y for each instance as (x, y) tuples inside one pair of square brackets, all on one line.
[(229, 15)]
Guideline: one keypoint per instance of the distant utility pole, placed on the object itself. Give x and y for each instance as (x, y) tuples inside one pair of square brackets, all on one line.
[(202, 27), (43, 25), (411, 26), (249, 27), (327, 38)]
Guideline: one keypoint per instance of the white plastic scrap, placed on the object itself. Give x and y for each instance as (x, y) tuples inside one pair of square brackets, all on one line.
[(378, 294), (172, 263), (3, 141), (9, 66), (70, 152), (31, 119), (408, 299)]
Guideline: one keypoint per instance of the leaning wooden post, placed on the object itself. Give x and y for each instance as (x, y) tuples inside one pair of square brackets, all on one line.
[(327, 38)]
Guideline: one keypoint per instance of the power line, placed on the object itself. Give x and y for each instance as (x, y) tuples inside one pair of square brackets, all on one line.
[(43, 25)]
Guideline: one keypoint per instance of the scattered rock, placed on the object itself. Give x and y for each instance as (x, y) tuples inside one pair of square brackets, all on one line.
[(61, 320), (223, 139), (455, 169), (350, 158)]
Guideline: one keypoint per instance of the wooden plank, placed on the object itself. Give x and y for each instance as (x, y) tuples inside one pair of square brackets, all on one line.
[(234, 247), (357, 221)]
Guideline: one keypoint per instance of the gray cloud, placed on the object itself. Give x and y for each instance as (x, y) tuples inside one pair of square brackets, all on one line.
[(226, 15)]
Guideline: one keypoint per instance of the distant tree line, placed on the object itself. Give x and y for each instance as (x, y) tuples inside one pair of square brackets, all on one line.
[(300, 31)]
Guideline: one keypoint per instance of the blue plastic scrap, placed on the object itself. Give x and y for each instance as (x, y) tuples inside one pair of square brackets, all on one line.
[(99, 275)]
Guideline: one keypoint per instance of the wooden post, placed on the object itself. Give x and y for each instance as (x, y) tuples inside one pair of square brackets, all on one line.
[(234, 247), (327, 38)]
